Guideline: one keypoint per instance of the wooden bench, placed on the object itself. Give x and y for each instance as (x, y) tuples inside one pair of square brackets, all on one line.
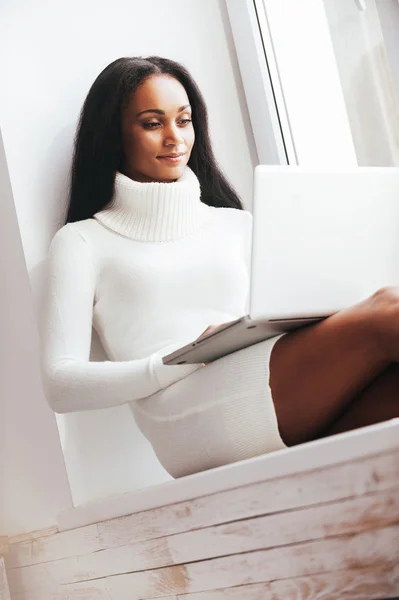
[(320, 521)]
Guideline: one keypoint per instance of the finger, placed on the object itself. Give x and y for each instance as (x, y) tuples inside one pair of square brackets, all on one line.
[(207, 330)]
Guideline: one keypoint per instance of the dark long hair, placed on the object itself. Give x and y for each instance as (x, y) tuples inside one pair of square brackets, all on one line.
[(98, 143)]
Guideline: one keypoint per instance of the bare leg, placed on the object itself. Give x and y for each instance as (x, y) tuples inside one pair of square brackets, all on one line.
[(378, 402), (316, 372)]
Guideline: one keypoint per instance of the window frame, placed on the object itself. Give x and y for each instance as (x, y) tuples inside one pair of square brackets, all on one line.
[(295, 99)]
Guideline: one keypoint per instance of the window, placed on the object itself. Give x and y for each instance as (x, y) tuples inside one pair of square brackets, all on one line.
[(319, 77)]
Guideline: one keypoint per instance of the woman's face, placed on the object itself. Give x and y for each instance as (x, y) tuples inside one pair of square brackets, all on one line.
[(157, 132)]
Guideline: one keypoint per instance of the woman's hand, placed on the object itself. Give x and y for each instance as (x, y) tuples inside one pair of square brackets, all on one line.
[(207, 331), (211, 328)]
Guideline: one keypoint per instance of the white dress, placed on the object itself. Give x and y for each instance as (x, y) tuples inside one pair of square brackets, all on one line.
[(150, 273)]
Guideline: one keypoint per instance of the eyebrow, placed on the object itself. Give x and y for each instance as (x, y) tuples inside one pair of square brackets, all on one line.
[(157, 111)]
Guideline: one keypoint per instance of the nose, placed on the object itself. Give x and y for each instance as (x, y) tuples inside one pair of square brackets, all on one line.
[(173, 136)]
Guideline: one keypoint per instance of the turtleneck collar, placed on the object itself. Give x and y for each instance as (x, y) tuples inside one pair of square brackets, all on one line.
[(155, 212)]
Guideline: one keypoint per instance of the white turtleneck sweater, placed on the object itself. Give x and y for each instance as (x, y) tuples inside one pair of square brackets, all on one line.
[(150, 273)]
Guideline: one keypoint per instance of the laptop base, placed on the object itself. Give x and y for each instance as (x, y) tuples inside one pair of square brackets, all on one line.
[(232, 337)]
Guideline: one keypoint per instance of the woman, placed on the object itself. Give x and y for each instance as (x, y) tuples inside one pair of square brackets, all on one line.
[(156, 250)]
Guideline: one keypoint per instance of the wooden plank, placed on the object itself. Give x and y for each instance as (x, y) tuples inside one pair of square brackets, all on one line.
[(33, 535), (304, 489), (317, 522), (319, 454), (379, 583), (373, 583), (4, 589), (371, 549), (286, 493), (53, 547)]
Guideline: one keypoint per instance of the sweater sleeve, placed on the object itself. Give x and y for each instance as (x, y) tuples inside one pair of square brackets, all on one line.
[(71, 381)]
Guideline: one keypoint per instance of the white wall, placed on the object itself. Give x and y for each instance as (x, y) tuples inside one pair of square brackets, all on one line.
[(33, 484), (50, 54)]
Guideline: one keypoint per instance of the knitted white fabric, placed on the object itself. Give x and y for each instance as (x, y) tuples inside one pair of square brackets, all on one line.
[(150, 273)]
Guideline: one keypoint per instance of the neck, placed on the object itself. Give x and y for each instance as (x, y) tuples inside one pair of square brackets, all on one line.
[(155, 211)]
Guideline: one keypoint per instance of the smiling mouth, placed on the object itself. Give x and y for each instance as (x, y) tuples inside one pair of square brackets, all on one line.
[(172, 158)]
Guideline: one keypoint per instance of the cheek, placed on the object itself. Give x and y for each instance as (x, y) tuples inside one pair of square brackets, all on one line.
[(190, 138), (145, 142)]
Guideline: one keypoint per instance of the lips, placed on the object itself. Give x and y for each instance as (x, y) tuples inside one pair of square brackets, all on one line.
[(172, 159)]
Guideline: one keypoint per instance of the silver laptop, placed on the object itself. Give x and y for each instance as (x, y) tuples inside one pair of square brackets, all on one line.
[(322, 240)]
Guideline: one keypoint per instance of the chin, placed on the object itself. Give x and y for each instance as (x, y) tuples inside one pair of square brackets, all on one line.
[(172, 173)]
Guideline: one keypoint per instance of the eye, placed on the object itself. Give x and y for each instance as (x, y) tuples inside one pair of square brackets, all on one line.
[(185, 121), (151, 125)]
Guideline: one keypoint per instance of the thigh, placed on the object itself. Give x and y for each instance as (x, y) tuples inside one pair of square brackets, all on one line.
[(316, 373), (378, 402)]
